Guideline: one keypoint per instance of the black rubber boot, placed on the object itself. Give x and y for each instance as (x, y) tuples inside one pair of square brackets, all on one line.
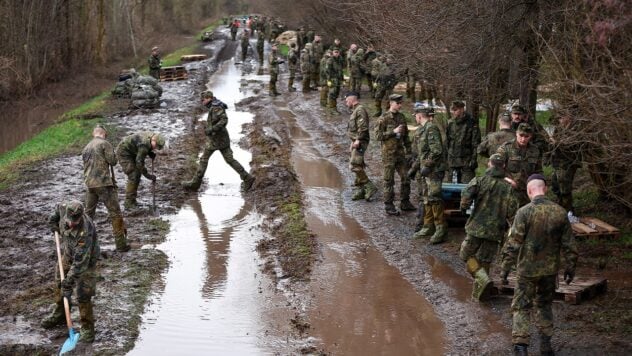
[(520, 350)]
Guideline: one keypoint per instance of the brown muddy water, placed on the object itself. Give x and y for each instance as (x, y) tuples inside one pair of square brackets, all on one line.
[(215, 301), (361, 304)]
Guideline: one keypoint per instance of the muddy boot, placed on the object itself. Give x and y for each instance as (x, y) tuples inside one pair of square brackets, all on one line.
[(439, 235), (192, 185), (324, 93), (390, 209), (120, 236), (369, 191), (428, 227), (290, 85), (520, 350), (87, 322), (482, 285), (247, 182), (406, 205), (57, 317), (332, 106), (131, 190), (545, 346), (358, 193)]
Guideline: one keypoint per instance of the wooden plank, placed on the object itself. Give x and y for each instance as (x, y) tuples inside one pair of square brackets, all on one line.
[(582, 229), (580, 290), (600, 224), (193, 57)]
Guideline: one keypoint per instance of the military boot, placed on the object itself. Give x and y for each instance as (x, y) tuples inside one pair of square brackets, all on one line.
[(520, 350), (57, 317), (428, 228), (87, 322), (247, 182), (369, 191), (439, 235), (358, 193), (406, 205), (545, 346), (390, 209), (332, 106), (482, 285), (131, 190), (192, 185), (324, 92), (120, 234)]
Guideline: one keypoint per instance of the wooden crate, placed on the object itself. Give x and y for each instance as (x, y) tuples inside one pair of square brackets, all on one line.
[(173, 73), (580, 290), (593, 227), (193, 57)]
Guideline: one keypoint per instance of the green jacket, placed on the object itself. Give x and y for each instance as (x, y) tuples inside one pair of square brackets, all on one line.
[(428, 147), (391, 144), (493, 140), (539, 233), (216, 125), (520, 163), (540, 137), (358, 126), (154, 62), (494, 205), (334, 71), (273, 62), (98, 156), (463, 136), (135, 148)]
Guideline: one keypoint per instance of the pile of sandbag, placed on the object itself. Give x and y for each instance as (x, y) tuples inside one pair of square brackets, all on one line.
[(144, 90)]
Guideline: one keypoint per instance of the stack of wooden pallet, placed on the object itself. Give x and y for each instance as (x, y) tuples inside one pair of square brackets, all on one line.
[(193, 57), (593, 227), (173, 73), (580, 290)]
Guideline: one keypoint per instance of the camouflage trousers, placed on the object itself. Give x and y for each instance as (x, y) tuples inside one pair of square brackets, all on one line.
[(391, 165), (290, 82), (273, 80), (244, 52), (85, 285), (227, 153), (482, 249), (306, 82), (324, 93), (315, 74), (356, 164), (463, 174), (529, 290), (133, 178), (562, 185), (334, 90), (429, 188), (260, 55), (155, 73), (355, 83), (381, 92), (109, 197)]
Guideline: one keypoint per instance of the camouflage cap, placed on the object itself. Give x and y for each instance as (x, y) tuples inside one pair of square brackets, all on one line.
[(525, 128), (74, 210), (398, 98), (351, 93), (457, 104), (518, 109), (496, 158), (536, 176), (155, 48), (206, 94), (160, 140)]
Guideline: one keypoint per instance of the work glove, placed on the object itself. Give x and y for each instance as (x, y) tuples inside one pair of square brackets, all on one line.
[(425, 171), (151, 177), (67, 293), (329, 83), (568, 276), (151, 154), (503, 277)]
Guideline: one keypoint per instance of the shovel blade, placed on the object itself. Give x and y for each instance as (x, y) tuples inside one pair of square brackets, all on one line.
[(71, 342)]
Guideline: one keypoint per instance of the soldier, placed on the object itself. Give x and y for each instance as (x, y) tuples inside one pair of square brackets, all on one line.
[(369, 56), (155, 63), (463, 136), (292, 65), (131, 152), (79, 254), (334, 80), (430, 162), (493, 140), (385, 81), (539, 233), (324, 89), (245, 42), (273, 63), (566, 158), (391, 130), (375, 66), (218, 139), (300, 37), (260, 44), (355, 71), (310, 36), (411, 83), (353, 49), (306, 67), (358, 132), (317, 54), (540, 138), (234, 26), (493, 206), (98, 162), (522, 159)]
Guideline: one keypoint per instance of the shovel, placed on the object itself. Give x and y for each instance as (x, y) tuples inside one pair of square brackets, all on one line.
[(153, 189), (73, 336)]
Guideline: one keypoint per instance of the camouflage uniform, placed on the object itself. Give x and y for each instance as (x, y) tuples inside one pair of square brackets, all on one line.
[(324, 89), (565, 159), (540, 137), (306, 67), (374, 69), (396, 149), (386, 81), (218, 139), (317, 54), (98, 157), (292, 65), (260, 45), (519, 165), (463, 136), (245, 42), (273, 62), (411, 82), (539, 233), (431, 160), (369, 56), (131, 152), (80, 251), (493, 140), (154, 66), (358, 129), (355, 70), (334, 81), (300, 37)]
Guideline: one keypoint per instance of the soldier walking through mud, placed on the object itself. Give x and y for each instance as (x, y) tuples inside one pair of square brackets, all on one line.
[(131, 152), (155, 63), (317, 53), (493, 207), (493, 140), (539, 233), (324, 89), (260, 45), (292, 65), (306, 67), (392, 132), (218, 139), (234, 26), (98, 162), (245, 43), (79, 254), (358, 132), (430, 165), (334, 80), (463, 137), (273, 63)]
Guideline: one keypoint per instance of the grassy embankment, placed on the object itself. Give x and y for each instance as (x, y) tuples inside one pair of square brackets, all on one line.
[(71, 132)]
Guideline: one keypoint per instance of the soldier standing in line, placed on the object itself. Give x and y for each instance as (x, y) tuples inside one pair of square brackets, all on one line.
[(385, 81), (355, 71), (522, 159), (369, 56), (540, 138), (273, 62), (80, 251), (218, 139), (260, 44), (493, 206), (430, 163), (300, 36), (306, 67), (292, 65), (155, 63), (98, 160), (463, 137), (358, 132), (334, 80), (493, 140), (324, 89), (392, 132), (245, 43), (566, 158), (131, 152), (317, 54), (539, 233), (353, 49)]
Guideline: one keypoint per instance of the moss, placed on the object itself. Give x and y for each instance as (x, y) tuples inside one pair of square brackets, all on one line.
[(298, 243)]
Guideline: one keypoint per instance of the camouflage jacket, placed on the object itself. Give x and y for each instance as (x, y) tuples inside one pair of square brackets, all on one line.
[(386, 76), (245, 41), (376, 64), (334, 71), (216, 125), (540, 137), (273, 62), (317, 54), (428, 147), (98, 156), (368, 58), (323, 70), (154, 62), (79, 246), (355, 65), (564, 154), (358, 126), (292, 59), (494, 205), (306, 62), (260, 43), (463, 136), (520, 163), (136, 147), (539, 233), (493, 140), (392, 145)]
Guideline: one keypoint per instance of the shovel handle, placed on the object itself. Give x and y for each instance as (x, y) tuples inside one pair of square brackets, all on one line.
[(61, 274)]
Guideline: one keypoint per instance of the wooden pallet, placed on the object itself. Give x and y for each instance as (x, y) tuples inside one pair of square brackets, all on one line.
[(580, 290), (593, 227), (193, 57), (173, 73)]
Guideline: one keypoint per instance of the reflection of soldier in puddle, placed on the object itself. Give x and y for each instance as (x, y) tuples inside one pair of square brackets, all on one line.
[(217, 246)]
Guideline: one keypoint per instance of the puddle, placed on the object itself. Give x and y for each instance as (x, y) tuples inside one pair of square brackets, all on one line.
[(361, 303), (215, 301)]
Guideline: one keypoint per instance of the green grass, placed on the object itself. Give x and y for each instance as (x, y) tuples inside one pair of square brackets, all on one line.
[(90, 108), (210, 28), (543, 117), (173, 58)]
